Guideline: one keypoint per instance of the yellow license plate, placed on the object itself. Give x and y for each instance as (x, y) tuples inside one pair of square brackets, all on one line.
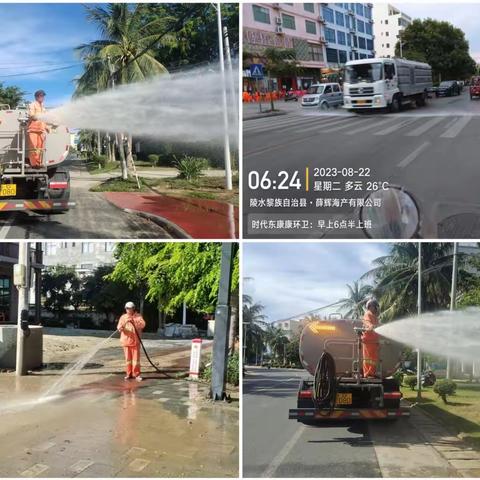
[(344, 399), (8, 190), (361, 102)]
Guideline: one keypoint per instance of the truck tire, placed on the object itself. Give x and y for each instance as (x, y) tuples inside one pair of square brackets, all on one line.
[(325, 106), (422, 100), (395, 105)]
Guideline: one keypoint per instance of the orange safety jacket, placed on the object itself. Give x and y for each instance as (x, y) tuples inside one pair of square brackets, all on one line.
[(128, 337), (34, 125)]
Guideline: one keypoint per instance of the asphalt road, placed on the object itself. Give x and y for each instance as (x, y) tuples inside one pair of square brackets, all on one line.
[(92, 217), (274, 446), (432, 152)]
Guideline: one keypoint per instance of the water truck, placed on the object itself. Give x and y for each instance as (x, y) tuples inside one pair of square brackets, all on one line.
[(386, 83), (331, 351), (23, 188)]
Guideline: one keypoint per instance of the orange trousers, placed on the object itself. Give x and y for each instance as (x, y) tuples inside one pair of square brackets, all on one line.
[(370, 350), (132, 360), (36, 147)]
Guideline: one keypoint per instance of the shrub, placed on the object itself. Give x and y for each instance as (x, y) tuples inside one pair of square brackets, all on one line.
[(154, 159), (445, 387), (99, 159), (233, 370), (190, 168), (410, 381), (398, 376)]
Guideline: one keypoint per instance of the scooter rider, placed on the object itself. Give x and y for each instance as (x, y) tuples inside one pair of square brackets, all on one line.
[(129, 324)]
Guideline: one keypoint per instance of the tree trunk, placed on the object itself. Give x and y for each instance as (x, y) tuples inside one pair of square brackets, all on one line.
[(234, 323), (123, 160), (99, 143), (129, 151)]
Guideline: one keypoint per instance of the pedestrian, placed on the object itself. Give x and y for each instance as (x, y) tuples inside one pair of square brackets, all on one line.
[(129, 325), (370, 339), (36, 130)]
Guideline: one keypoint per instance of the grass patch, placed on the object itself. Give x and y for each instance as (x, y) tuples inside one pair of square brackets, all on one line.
[(93, 169), (461, 414), (120, 185)]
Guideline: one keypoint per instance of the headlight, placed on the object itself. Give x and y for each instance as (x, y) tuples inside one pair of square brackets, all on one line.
[(377, 101)]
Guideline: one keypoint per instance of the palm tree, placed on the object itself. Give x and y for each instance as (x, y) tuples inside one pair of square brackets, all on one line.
[(395, 278), (353, 305), (276, 340), (253, 326), (124, 54)]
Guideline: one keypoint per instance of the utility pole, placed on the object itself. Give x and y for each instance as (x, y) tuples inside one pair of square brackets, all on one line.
[(184, 313), (38, 281), (222, 325), (453, 297), (21, 279), (230, 71), (419, 305), (226, 140)]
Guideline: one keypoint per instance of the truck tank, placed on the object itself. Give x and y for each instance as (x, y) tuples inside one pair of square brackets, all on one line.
[(339, 338), (56, 146)]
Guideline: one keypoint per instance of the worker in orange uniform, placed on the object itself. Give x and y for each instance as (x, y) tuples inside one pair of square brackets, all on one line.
[(36, 130), (370, 339), (130, 340)]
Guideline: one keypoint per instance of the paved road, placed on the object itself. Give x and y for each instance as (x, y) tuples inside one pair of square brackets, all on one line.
[(274, 446), (431, 151), (92, 217)]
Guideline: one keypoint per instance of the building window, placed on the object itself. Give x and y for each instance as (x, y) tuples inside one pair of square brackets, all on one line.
[(342, 56), (387, 45), (368, 28), (310, 27), (315, 52), (340, 19), (109, 246), (359, 9), (361, 26), (261, 14), (362, 43), (330, 35), (328, 14), (341, 38), (386, 22), (88, 247), (332, 55), (309, 7), (51, 248), (387, 34), (368, 12), (355, 43), (86, 266), (4, 298), (369, 44), (288, 21)]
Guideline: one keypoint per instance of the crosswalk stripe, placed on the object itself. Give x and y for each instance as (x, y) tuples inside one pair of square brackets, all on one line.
[(369, 126), (255, 126), (292, 124), (346, 124), (394, 127), (456, 128), (343, 121), (425, 127)]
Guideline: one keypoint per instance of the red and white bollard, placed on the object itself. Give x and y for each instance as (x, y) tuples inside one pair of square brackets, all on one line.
[(195, 357)]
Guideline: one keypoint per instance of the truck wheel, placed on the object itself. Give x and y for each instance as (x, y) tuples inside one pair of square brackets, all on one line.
[(421, 100), (324, 106), (395, 105)]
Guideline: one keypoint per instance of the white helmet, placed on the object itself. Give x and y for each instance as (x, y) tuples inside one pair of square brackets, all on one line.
[(129, 305)]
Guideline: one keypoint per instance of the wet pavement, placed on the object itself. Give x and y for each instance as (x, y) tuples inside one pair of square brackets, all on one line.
[(107, 427)]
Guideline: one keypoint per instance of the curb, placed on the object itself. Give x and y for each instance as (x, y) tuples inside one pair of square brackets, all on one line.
[(170, 227), (265, 115)]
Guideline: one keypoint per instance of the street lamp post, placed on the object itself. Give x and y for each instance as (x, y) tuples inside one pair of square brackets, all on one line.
[(21, 279), (453, 295), (419, 305)]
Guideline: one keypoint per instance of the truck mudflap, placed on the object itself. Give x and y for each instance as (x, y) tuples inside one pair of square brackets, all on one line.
[(347, 413), (34, 205)]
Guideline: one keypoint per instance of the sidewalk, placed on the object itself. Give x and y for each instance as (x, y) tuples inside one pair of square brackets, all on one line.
[(185, 217)]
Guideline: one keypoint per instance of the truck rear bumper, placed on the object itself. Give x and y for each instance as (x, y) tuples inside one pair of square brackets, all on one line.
[(31, 205), (346, 413)]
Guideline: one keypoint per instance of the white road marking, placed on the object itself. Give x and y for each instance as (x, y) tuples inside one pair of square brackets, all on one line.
[(35, 470), (369, 126), (7, 225), (269, 472), (393, 128), (459, 125), (138, 464), (317, 126), (410, 158), (80, 466), (425, 127), (277, 126), (43, 447)]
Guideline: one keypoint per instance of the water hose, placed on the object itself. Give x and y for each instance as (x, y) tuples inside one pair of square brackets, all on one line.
[(146, 354), (325, 382)]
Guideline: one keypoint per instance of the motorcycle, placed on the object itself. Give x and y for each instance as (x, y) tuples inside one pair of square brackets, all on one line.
[(291, 95)]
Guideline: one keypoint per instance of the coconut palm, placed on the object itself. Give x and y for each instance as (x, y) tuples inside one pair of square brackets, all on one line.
[(395, 278), (253, 326), (124, 54), (353, 304), (276, 340)]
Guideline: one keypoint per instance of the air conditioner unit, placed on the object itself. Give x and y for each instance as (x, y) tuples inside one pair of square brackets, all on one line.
[(321, 19), (354, 49), (278, 29), (351, 12), (278, 20)]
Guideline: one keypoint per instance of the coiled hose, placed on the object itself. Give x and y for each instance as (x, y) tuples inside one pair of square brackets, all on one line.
[(325, 382)]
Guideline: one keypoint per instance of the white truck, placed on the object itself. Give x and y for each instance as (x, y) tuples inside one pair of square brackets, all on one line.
[(386, 83), (23, 188)]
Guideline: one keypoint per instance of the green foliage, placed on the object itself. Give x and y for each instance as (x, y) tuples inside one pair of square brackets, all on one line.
[(354, 304), (173, 273), (154, 159), (61, 288), (399, 377), (441, 45), (99, 159), (190, 168), (444, 388), (11, 96), (233, 370), (280, 62), (410, 381)]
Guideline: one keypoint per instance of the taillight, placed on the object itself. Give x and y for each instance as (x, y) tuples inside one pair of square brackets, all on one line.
[(58, 185), (392, 395), (305, 394)]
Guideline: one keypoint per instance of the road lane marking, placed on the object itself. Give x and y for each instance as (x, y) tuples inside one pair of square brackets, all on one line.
[(277, 126), (395, 127), (457, 127), (269, 472), (7, 225), (410, 158), (370, 126), (343, 121), (80, 466), (35, 470), (138, 464), (425, 127)]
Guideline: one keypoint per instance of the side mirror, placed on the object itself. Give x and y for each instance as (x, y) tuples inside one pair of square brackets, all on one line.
[(392, 213)]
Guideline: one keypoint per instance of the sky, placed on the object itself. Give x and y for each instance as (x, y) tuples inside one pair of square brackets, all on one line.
[(463, 15), (293, 278), (36, 37)]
